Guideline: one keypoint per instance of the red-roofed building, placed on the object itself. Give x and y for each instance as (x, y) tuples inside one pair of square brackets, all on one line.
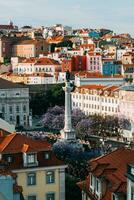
[(30, 48), (107, 176), (76, 63), (6, 28), (38, 170), (96, 99)]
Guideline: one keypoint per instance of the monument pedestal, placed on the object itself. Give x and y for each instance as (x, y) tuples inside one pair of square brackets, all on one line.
[(68, 134)]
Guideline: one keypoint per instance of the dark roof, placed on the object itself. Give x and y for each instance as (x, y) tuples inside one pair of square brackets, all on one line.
[(4, 84), (17, 144)]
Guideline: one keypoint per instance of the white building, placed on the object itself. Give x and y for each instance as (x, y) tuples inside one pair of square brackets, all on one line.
[(39, 65), (14, 103), (121, 52), (82, 78), (39, 79), (96, 99), (126, 108), (127, 102)]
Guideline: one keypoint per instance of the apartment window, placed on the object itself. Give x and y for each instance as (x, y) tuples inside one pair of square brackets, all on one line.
[(3, 94), (24, 108), (31, 158), (11, 118), (50, 177), (17, 109), (47, 155), (114, 197), (3, 109), (132, 193), (24, 117), (97, 185), (50, 196), (31, 179), (17, 94), (10, 109), (31, 197), (91, 180), (9, 158)]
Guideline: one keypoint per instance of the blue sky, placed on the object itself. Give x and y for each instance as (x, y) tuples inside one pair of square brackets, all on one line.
[(114, 14)]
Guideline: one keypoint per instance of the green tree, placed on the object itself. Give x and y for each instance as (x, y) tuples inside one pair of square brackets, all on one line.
[(41, 102), (71, 187)]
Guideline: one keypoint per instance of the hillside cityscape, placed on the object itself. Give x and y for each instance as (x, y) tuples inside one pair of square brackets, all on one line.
[(66, 113)]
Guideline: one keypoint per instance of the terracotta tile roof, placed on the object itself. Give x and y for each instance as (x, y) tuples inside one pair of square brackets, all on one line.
[(46, 61), (7, 172), (6, 141), (87, 45), (55, 39), (95, 75), (29, 60), (102, 88), (15, 143), (116, 163), (113, 168)]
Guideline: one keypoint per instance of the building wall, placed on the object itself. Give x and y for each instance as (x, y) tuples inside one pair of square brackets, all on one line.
[(6, 187), (78, 63), (41, 188), (92, 104), (12, 103), (126, 106), (130, 185), (94, 63), (99, 81), (24, 50), (109, 68)]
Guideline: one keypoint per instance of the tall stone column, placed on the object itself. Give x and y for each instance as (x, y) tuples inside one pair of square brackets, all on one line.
[(68, 132)]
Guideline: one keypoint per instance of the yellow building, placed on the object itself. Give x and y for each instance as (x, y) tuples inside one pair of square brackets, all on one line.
[(39, 172)]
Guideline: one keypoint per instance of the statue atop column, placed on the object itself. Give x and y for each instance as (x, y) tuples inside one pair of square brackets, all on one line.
[(68, 132), (68, 76)]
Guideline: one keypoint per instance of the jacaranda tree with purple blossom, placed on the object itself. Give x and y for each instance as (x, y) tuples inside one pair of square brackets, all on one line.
[(54, 119)]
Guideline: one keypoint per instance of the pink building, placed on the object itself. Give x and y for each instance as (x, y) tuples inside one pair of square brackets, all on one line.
[(94, 62)]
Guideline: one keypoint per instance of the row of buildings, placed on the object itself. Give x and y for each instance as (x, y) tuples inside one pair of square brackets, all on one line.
[(106, 100)]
